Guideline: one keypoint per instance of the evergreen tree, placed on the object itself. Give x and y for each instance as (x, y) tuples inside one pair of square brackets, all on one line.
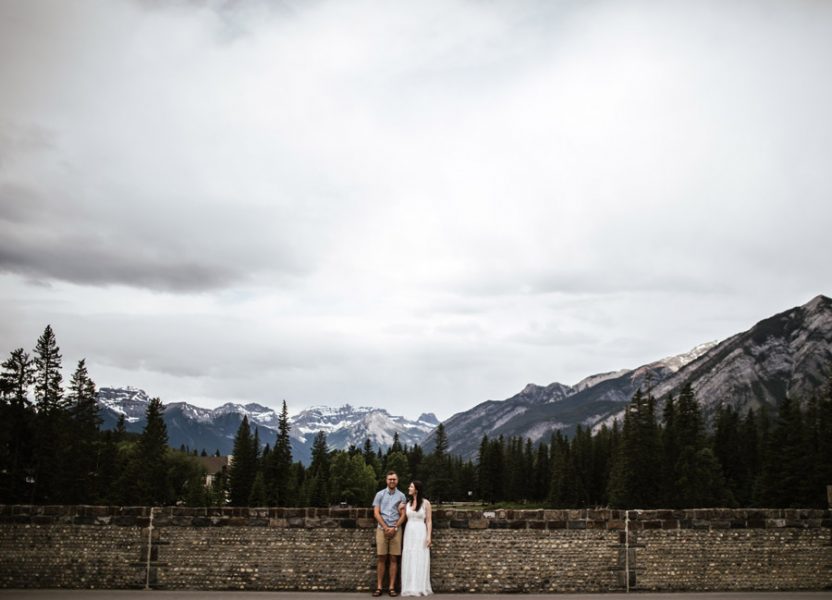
[(527, 471), (583, 465), (605, 444), (464, 476), (218, 491), (697, 474), (17, 377), (414, 459), (438, 469), (16, 419), (48, 391), (121, 427), (281, 490), (51, 426), (371, 459), (515, 483), (785, 463), (441, 448), (83, 447), (728, 449), (396, 446), (107, 469), (318, 475), (542, 473), (670, 453), (258, 491), (243, 467), (151, 458), (563, 490), (762, 482), (635, 480), (491, 471), (750, 457)]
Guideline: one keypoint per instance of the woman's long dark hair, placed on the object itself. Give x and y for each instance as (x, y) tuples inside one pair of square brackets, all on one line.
[(419, 496)]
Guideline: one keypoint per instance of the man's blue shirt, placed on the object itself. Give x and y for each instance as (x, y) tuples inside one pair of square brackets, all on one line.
[(389, 503)]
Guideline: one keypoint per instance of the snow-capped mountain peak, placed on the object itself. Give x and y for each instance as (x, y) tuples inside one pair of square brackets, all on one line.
[(128, 401), (211, 429)]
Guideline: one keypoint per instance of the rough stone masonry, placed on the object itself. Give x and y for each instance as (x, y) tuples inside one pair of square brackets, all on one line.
[(534, 551)]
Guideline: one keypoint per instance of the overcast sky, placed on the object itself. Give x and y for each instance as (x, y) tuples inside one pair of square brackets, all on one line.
[(411, 205)]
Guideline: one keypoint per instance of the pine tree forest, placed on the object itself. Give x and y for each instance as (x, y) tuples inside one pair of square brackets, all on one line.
[(662, 455)]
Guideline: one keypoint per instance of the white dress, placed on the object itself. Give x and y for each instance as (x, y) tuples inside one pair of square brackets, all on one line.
[(415, 555)]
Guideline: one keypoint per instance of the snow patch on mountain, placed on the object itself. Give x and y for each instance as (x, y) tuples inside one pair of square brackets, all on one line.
[(674, 363)]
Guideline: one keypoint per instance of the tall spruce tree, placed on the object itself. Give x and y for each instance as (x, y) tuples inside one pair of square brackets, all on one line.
[(635, 481), (785, 472), (491, 471), (152, 485), (48, 390), (243, 467), (396, 446), (17, 377), (750, 457), (729, 451), (318, 474), (285, 488), (542, 473), (670, 452), (16, 419), (583, 463), (696, 474), (371, 458), (438, 468), (83, 444), (52, 426), (563, 490)]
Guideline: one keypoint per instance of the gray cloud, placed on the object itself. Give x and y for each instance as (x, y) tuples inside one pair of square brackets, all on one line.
[(432, 206)]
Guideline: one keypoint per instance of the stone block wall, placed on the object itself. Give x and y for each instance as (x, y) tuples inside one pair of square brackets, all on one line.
[(536, 551)]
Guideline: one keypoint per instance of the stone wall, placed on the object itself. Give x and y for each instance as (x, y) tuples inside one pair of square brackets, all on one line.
[(333, 549)]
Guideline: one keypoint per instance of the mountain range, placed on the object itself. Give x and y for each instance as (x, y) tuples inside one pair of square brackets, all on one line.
[(214, 429), (788, 353)]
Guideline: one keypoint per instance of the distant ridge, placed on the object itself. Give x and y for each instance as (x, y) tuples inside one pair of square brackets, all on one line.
[(214, 429), (788, 353)]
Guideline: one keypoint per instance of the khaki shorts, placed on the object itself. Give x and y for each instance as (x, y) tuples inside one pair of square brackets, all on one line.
[(385, 545)]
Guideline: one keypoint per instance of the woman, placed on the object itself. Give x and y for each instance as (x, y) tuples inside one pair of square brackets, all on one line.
[(416, 545)]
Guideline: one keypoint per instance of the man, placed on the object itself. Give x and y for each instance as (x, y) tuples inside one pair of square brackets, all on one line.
[(388, 509)]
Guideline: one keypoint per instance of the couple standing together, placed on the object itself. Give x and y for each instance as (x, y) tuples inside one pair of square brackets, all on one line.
[(391, 509)]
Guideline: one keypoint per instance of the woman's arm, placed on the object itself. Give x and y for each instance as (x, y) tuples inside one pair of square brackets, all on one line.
[(428, 523), (402, 514)]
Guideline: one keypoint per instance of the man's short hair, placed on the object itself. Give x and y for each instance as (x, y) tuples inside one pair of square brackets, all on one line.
[(389, 473)]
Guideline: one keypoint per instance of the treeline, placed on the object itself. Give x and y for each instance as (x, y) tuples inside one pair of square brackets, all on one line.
[(352, 476), (751, 459), (53, 451)]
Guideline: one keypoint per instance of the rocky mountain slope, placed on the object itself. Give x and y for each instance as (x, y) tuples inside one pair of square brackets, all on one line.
[(536, 412), (788, 353)]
